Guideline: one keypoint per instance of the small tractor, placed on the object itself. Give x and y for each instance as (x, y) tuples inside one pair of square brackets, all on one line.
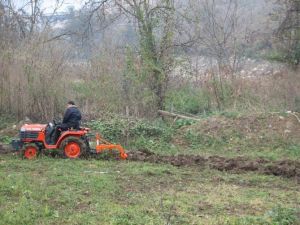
[(71, 143)]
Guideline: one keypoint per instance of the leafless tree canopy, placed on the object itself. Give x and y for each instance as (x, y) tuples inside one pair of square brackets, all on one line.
[(135, 56)]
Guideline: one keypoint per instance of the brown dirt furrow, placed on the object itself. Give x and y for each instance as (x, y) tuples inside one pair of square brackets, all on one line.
[(284, 168)]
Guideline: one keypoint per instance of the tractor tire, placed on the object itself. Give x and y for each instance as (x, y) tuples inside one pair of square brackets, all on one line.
[(73, 147), (30, 152)]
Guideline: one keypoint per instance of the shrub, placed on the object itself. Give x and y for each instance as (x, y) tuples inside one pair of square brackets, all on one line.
[(189, 100), (118, 129)]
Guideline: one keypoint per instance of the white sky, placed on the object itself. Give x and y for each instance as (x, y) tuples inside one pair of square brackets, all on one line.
[(49, 5)]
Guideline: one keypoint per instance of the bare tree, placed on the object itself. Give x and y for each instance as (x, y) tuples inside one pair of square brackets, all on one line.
[(218, 36), (288, 31)]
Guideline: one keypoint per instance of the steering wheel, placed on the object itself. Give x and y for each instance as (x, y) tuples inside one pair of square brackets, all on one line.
[(56, 121)]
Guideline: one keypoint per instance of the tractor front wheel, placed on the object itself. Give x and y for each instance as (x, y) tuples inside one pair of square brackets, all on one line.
[(73, 147), (30, 152)]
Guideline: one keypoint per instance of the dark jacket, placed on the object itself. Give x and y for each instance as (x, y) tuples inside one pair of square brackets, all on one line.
[(72, 117)]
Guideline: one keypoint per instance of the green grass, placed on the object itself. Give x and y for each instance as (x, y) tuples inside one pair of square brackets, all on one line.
[(58, 191)]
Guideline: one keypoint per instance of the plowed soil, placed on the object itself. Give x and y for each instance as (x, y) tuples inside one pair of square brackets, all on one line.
[(284, 168)]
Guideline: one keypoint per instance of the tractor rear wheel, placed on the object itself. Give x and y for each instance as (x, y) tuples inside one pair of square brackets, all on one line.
[(30, 152), (73, 147)]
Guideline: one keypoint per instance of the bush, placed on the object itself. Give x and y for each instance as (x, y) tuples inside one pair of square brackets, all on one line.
[(183, 122), (188, 100), (112, 130), (118, 129), (138, 134), (5, 139)]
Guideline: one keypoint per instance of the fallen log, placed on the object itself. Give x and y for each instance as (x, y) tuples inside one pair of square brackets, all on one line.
[(166, 113)]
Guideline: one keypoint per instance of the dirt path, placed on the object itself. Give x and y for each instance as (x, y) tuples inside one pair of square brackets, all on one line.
[(284, 168)]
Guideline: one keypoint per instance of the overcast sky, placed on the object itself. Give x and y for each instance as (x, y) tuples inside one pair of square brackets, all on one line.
[(49, 5)]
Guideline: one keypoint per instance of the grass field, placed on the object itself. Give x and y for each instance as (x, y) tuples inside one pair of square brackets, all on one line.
[(89, 191), (60, 191)]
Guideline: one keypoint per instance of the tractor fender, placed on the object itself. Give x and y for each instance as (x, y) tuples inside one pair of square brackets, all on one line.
[(66, 134)]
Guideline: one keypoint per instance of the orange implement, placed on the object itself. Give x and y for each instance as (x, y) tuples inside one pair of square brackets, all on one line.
[(103, 145)]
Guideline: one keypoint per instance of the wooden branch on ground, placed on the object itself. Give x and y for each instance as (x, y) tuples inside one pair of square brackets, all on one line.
[(295, 115), (165, 113)]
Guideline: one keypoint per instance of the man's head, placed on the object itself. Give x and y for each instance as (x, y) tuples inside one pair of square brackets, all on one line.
[(70, 104)]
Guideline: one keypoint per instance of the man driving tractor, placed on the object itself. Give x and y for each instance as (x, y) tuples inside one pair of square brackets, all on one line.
[(72, 118), (73, 142)]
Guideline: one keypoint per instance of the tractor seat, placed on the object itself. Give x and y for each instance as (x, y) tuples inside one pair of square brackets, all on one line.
[(84, 128)]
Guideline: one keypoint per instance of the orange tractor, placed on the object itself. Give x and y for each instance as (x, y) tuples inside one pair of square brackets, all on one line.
[(71, 143)]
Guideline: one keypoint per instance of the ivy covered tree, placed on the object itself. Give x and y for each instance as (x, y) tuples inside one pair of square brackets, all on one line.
[(154, 23)]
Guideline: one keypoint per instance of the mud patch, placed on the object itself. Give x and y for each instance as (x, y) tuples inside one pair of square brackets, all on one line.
[(284, 168)]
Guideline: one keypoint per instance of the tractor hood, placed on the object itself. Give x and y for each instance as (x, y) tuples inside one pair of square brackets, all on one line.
[(33, 127)]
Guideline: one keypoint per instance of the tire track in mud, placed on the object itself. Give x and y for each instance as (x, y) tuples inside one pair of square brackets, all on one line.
[(283, 168)]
